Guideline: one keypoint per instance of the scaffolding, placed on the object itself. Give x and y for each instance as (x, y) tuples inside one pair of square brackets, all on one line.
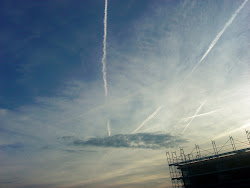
[(229, 148)]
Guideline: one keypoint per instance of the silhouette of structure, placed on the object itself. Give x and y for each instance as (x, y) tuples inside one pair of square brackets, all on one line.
[(225, 166)]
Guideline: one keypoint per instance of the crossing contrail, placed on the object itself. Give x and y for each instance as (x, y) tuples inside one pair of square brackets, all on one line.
[(204, 114), (229, 22), (104, 48), (108, 127), (194, 116), (146, 120)]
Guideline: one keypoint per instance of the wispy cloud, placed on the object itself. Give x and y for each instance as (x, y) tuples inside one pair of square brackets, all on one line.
[(141, 74), (229, 22), (14, 146), (140, 140), (213, 43), (244, 126)]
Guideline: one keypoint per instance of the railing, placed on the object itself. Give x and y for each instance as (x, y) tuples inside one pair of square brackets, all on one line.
[(230, 147)]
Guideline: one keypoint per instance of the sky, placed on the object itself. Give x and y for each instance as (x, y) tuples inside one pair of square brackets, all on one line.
[(177, 73)]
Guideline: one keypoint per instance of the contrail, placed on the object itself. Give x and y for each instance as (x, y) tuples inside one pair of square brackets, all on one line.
[(229, 22), (194, 116), (232, 131), (104, 48), (104, 56), (204, 114), (108, 127), (146, 120)]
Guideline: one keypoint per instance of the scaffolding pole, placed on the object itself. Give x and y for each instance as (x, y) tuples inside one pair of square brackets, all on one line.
[(214, 147), (248, 135), (197, 151), (232, 142)]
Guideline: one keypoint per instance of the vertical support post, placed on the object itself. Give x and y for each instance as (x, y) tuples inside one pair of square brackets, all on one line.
[(248, 135), (169, 162), (168, 157), (198, 151), (174, 157), (170, 167), (232, 142), (192, 156), (189, 157), (183, 157), (174, 167), (175, 173), (214, 147)]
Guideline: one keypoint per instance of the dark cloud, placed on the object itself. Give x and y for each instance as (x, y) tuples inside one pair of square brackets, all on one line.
[(14, 146), (140, 140), (9, 180), (53, 147)]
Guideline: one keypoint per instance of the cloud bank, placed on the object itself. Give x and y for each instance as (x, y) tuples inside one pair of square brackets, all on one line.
[(140, 140), (7, 147)]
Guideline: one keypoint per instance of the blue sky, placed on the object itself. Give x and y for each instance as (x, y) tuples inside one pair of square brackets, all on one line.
[(65, 36), (167, 61)]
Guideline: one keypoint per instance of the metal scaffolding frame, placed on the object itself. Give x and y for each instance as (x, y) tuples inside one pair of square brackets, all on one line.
[(199, 154)]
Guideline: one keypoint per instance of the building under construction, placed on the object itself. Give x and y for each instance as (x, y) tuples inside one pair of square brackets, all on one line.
[(225, 166)]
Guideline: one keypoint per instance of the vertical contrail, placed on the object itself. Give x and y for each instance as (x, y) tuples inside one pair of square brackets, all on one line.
[(194, 116), (104, 48), (104, 56), (108, 127), (146, 120), (229, 22)]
